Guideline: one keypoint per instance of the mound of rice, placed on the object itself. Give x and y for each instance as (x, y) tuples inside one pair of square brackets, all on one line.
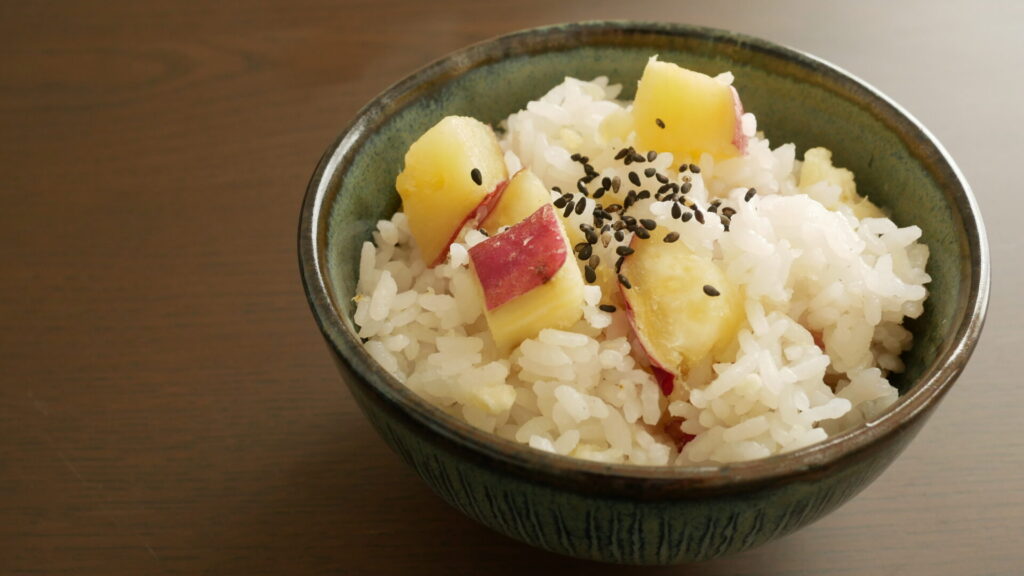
[(825, 293)]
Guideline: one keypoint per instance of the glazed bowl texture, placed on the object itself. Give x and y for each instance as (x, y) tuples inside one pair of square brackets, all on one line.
[(639, 514)]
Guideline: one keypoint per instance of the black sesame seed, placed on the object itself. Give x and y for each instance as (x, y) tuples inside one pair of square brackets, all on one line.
[(686, 216), (561, 201), (671, 237), (694, 168), (556, 189), (606, 308), (616, 184), (642, 233), (581, 205), (648, 223), (698, 215), (713, 208), (624, 250), (684, 167), (589, 273), (661, 178), (591, 235), (750, 195), (649, 172), (676, 210), (586, 252), (598, 193), (622, 154), (643, 195), (663, 188), (482, 231), (618, 264), (595, 261), (660, 123), (584, 160), (619, 235), (638, 158), (711, 290), (686, 187), (575, 157), (729, 211), (634, 178), (606, 228), (579, 246), (625, 282), (606, 182), (613, 208), (568, 209), (477, 177), (629, 220), (651, 155), (618, 225), (582, 187), (725, 221)]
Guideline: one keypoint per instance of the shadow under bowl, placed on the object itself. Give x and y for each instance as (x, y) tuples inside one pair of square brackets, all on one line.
[(638, 514)]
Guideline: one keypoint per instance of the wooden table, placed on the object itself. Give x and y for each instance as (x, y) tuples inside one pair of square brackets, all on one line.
[(167, 404)]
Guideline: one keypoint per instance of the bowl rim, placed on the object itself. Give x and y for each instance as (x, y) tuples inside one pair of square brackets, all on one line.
[(493, 451)]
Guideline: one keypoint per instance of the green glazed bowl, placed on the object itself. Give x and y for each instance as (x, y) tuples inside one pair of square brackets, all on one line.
[(635, 514)]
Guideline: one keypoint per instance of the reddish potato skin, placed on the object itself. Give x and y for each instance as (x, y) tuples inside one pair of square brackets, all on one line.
[(666, 379), (520, 259), (479, 215), (739, 139)]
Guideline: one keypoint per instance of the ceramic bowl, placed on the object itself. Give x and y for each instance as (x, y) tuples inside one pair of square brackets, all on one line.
[(629, 514)]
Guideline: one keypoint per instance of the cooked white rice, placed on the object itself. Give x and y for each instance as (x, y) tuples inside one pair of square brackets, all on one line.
[(805, 269)]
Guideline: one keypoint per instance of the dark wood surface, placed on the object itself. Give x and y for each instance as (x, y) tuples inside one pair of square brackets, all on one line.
[(167, 405)]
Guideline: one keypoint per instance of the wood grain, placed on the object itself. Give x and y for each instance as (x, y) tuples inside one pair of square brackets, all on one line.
[(166, 403)]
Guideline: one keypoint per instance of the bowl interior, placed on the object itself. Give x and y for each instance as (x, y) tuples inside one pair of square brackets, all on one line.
[(795, 98)]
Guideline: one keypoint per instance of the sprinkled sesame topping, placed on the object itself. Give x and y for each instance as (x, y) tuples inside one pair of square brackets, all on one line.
[(648, 223), (711, 290), (652, 156), (660, 123), (686, 216), (624, 250), (625, 282), (677, 212), (581, 205), (606, 308), (590, 274), (750, 195), (634, 178), (671, 237), (649, 172), (477, 177), (698, 215), (586, 251), (694, 168)]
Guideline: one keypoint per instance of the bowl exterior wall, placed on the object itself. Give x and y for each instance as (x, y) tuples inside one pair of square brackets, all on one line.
[(587, 524)]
